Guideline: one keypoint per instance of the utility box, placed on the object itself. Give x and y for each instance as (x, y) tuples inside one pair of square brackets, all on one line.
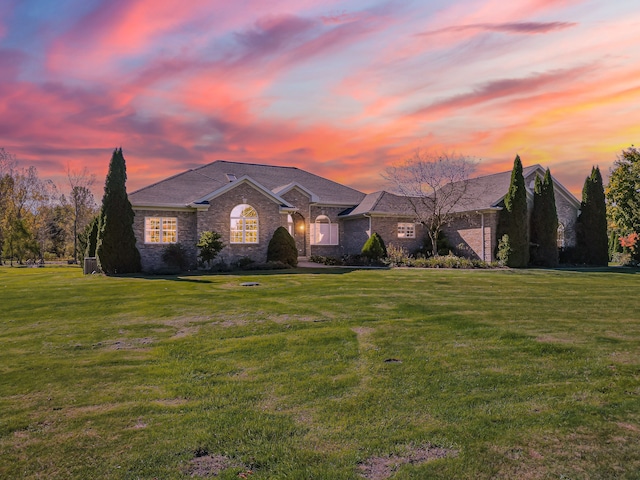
[(90, 265)]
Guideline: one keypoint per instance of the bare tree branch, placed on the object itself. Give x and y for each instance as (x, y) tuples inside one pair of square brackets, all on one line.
[(82, 201), (435, 186)]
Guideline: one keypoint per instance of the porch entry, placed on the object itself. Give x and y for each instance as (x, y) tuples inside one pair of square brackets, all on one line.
[(298, 231)]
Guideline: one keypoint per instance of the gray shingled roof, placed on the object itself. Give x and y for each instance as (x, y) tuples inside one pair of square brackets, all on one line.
[(488, 191), (192, 185), (381, 203), (481, 193)]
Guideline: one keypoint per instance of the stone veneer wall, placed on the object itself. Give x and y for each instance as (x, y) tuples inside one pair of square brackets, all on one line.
[(151, 253), (466, 235), (356, 233), (567, 216), (387, 228), (218, 219)]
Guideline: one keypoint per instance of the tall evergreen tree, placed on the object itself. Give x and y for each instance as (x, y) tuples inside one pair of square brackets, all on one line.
[(544, 224), (514, 219), (591, 227), (116, 247)]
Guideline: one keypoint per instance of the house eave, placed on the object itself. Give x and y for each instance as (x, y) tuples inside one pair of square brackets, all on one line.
[(163, 206)]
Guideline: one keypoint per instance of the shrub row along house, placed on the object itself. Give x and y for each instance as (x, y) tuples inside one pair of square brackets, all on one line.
[(247, 202)]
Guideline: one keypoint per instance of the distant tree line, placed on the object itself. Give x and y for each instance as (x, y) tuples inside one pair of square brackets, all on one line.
[(40, 220), (39, 223)]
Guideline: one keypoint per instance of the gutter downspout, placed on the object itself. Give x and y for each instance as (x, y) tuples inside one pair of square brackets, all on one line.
[(484, 257), (369, 232)]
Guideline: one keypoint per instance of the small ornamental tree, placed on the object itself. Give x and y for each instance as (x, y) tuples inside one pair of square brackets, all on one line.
[(282, 248), (116, 246), (591, 226), (544, 224), (513, 219), (210, 245), (374, 248)]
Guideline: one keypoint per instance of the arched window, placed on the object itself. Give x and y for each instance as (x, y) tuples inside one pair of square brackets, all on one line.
[(560, 235), (323, 232), (244, 224)]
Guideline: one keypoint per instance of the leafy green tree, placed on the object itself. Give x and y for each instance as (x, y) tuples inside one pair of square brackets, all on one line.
[(210, 245), (544, 224), (374, 248), (20, 244), (623, 195), (116, 246), (514, 219), (591, 226), (282, 248), (6, 189)]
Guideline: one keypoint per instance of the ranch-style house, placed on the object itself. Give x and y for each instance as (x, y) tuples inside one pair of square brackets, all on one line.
[(246, 202)]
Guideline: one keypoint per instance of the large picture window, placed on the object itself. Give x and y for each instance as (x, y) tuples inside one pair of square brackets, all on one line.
[(323, 232), (406, 230), (160, 230), (244, 224)]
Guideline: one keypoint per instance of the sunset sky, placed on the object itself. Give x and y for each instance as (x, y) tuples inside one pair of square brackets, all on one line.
[(339, 88)]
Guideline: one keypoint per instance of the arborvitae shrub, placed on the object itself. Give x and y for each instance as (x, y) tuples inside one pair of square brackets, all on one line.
[(591, 226), (116, 247), (544, 224), (89, 237), (374, 248), (514, 220), (282, 248), (504, 249)]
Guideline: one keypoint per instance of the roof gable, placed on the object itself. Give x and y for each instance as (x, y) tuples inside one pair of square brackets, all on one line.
[(291, 186), (193, 185), (242, 181)]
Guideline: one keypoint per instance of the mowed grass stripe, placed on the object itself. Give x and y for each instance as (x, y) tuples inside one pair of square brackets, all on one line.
[(525, 374)]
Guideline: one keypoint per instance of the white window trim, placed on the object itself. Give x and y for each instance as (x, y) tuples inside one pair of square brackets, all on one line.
[(161, 221), (242, 223), (408, 230)]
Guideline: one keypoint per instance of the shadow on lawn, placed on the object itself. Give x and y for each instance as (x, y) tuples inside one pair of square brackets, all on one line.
[(201, 276), (612, 269)]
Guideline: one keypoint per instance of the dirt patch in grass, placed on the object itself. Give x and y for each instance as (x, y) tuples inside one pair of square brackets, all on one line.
[(554, 339), (209, 465), (185, 332), (125, 343), (628, 426), (380, 468)]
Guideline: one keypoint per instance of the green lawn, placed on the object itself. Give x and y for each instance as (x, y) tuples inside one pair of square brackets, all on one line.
[(320, 374)]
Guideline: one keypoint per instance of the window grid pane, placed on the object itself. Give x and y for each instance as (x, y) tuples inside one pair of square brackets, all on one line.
[(244, 224), (161, 230), (406, 230), (152, 230)]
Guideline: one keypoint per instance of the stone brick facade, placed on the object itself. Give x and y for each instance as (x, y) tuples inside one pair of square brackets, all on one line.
[(218, 219), (474, 235), (567, 216), (151, 253), (387, 228), (283, 198)]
